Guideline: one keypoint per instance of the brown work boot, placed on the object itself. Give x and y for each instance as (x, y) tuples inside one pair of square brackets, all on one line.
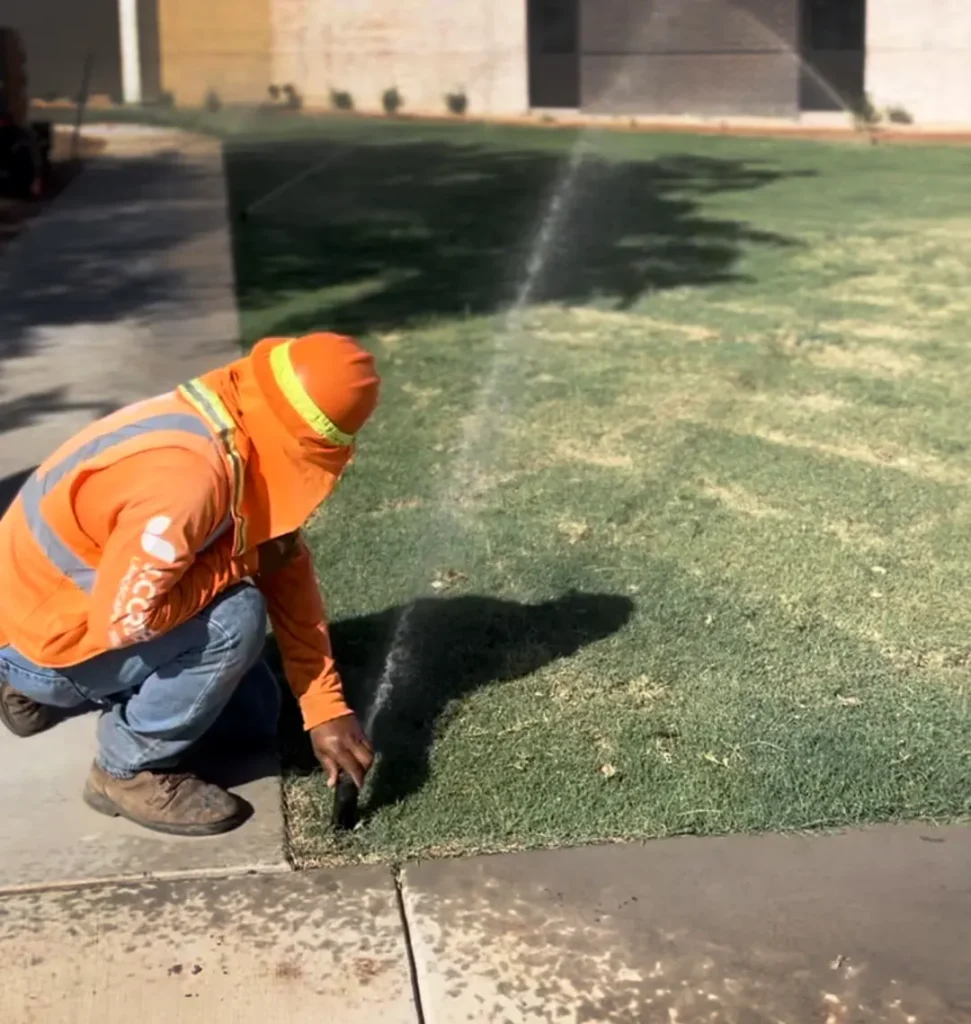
[(21, 715), (179, 803)]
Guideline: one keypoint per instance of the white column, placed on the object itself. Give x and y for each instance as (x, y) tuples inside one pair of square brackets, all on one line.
[(131, 61)]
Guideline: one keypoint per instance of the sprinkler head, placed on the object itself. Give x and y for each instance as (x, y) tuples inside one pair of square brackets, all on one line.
[(345, 813)]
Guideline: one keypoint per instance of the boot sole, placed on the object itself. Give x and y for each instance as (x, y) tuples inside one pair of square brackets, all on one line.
[(23, 734), (103, 804)]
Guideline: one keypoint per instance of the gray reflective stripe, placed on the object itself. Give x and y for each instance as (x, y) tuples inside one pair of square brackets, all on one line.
[(37, 487), (217, 533), (200, 396), (52, 545)]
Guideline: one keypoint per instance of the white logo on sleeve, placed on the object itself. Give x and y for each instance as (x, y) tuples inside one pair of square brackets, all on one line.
[(154, 542)]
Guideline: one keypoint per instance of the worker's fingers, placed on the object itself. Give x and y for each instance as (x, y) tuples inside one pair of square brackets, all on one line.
[(363, 752), (341, 745), (349, 762), (330, 766)]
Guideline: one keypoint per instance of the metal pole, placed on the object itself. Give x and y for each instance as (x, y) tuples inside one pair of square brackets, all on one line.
[(82, 103)]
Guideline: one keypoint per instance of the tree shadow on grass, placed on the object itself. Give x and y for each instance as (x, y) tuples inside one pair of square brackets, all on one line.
[(384, 235), (447, 648)]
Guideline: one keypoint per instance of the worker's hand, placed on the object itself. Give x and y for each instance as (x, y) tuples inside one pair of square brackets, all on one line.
[(341, 744), (275, 554)]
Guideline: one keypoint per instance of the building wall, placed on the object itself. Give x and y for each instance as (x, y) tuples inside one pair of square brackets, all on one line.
[(919, 57), (424, 48), (219, 46), (690, 56)]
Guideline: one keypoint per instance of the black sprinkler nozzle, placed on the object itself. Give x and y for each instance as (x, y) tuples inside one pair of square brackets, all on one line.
[(345, 815)]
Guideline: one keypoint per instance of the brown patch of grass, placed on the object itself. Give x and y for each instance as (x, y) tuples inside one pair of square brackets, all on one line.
[(645, 691), (644, 324), (888, 457), (855, 535), (594, 455), (738, 499), (399, 505), (420, 396), (589, 315), (573, 531), (753, 308), (819, 402), (870, 331), (872, 359)]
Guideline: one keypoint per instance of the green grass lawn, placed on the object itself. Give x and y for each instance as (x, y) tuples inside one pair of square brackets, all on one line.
[(691, 535)]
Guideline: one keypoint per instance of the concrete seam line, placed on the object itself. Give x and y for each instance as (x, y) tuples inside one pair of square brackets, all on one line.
[(409, 947), (115, 881)]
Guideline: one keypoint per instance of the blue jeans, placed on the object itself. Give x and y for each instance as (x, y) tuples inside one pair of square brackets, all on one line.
[(203, 678)]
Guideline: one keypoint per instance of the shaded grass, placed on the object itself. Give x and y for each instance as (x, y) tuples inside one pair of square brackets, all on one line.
[(733, 420)]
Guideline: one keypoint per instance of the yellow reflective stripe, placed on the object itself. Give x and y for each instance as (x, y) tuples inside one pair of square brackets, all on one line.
[(296, 395), (211, 408)]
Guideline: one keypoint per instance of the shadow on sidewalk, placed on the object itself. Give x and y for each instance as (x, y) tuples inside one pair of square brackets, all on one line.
[(101, 254), (448, 647)]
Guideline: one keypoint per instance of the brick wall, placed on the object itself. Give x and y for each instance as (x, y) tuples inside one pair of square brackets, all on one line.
[(919, 57), (425, 48)]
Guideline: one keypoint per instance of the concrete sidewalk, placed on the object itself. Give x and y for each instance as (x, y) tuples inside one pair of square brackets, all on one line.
[(871, 926), (864, 928)]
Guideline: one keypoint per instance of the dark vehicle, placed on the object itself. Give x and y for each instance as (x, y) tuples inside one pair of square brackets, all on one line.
[(25, 146)]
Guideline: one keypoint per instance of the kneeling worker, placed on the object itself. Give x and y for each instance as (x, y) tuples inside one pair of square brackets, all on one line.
[(139, 563)]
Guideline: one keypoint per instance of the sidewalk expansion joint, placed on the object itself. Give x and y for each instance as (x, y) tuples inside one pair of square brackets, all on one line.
[(409, 947)]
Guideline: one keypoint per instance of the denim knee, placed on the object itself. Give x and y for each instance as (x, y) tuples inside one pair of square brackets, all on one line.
[(240, 616)]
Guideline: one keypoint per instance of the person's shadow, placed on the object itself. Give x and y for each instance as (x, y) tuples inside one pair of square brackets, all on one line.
[(442, 648)]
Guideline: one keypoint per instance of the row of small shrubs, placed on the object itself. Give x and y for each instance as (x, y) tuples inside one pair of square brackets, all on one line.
[(868, 114), (392, 101), (288, 98)]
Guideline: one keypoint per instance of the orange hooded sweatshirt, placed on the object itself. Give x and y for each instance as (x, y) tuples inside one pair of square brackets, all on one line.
[(157, 521)]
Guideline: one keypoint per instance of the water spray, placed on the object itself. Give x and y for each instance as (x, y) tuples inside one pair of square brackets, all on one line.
[(287, 184), (397, 664)]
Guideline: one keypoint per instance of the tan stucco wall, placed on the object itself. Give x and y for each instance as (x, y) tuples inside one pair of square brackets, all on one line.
[(919, 57), (426, 48), (219, 45)]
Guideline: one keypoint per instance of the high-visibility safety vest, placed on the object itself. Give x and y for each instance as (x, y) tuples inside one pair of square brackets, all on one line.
[(49, 564)]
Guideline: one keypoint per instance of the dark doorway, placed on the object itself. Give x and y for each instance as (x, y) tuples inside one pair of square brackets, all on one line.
[(59, 36), (834, 51), (554, 53)]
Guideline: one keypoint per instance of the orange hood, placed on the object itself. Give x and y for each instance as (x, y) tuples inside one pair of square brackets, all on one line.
[(290, 469)]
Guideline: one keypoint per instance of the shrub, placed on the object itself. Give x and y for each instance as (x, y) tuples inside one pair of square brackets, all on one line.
[(865, 112), (457, 103), (341, 100), (899, 115), (392, 101)]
